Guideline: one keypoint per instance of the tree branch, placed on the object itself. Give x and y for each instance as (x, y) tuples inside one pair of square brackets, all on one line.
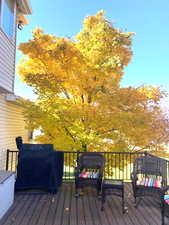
[(66, 93), (69, 133)]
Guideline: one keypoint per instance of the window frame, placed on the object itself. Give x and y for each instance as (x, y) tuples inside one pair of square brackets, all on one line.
[(2, 3)]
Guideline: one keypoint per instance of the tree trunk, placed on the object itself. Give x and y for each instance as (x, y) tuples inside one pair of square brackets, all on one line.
[(84, 147)]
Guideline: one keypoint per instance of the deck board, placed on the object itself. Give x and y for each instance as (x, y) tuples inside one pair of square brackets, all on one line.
[(64, 209)]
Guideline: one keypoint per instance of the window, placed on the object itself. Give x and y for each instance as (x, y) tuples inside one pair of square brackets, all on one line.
[(7, 17)]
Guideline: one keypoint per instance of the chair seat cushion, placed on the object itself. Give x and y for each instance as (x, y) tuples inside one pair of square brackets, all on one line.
[(89, 175), (149, 182), (166, 199)]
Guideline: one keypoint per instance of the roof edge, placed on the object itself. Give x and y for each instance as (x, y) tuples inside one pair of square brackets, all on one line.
[(24, 6)]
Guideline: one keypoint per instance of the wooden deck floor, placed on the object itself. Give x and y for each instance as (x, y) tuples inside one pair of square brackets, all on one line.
[(64, 209)]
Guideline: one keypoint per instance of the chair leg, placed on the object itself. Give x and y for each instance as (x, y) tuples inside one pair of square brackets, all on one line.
[(162, 216), (123, 207), (76, 190), (138, 202), (135, 201), (98, 192), (103, 199), (77, 194)]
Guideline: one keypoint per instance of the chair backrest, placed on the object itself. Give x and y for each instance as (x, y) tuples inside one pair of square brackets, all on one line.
[(91, 160), (150, 165)]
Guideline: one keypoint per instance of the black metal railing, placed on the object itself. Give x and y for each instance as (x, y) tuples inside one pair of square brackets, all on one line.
[(11, 160), (119, 165)]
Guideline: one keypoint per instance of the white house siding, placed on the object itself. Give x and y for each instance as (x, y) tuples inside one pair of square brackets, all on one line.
[(7, 61), (11, 125)]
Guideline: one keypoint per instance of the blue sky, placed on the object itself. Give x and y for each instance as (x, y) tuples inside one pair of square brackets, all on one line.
[(149, 19)]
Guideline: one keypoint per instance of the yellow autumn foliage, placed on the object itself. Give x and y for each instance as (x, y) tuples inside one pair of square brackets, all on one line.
[(81, 105)]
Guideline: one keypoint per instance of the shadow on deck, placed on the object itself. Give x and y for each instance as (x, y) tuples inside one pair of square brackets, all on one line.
[(64, 209)]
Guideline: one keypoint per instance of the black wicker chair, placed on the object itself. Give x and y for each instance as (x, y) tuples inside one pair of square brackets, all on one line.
[(165, 204), (89, 171), (149, 176)]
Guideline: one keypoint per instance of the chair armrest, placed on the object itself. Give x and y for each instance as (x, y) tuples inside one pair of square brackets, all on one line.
[(133, 176), (164, 184), (164, 190), (77, 171)]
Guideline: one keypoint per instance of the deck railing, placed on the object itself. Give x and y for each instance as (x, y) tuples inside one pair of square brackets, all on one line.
[(119, 165)]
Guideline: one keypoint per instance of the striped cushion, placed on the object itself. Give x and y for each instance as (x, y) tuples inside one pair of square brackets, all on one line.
[(89, 174), (166, 199), (149, 182)]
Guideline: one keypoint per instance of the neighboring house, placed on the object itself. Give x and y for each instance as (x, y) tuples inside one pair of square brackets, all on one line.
[(11, 117)]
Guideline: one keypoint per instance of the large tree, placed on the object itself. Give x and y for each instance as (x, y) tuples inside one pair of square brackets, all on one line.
[(80, 104)]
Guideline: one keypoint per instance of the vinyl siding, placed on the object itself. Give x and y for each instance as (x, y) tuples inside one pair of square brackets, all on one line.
[(11, 125), (11, 118)]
